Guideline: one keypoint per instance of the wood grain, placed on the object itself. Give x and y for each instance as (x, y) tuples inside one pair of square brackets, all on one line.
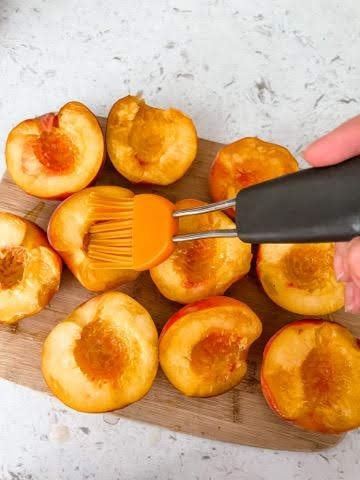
[(239, 416)]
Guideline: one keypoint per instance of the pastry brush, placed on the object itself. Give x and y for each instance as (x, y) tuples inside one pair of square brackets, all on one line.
[(309, 206)]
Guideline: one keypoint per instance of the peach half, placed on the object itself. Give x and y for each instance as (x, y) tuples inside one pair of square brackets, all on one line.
[(204, 346), (310, 376), (30, 270), (244, 163), (103, 356), (201, 268), (147, 144), (301, 278), (57, 154), (68, 234)]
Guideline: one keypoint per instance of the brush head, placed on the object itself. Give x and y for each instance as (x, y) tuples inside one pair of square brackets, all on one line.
[(130, 233)]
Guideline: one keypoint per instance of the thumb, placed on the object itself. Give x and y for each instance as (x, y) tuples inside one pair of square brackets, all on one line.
[(353, 261)]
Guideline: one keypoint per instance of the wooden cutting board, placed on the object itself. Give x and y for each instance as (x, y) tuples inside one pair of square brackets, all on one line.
[(239, 416)]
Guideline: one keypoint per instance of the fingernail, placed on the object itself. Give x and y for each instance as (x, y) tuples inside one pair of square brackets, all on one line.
[(354, 260), (339, 268), (340, 276), (349, 297)]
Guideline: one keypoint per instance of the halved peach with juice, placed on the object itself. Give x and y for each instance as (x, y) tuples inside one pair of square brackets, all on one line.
[(310, 376), (57, 154), (301, 277), (103, 356), (204, 346), (201, 268), (30, 270), (147, 144), (246, 162), (68, 233)]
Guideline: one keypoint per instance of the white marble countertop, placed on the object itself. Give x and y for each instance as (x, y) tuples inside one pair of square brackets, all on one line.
[(283, 70)]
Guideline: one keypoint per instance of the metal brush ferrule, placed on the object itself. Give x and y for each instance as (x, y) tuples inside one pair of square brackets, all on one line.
[(213, 207)]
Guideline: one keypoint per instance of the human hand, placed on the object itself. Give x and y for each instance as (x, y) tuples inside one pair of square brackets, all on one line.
[(335, 147)]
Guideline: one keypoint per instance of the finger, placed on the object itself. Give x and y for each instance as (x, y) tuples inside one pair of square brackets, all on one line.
[(337, 146), (341, 262), (353, 260), (352, 298)]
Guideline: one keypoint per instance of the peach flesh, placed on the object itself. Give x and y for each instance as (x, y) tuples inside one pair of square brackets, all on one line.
[(68, 234), (148, 144), (244, 163), (300, 278), (202, 268), (204, 346), (30, 270), (103, 356), (309, 376), (56, 154)]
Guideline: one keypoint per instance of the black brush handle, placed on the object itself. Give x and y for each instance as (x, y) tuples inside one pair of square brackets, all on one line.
[(312, 205)]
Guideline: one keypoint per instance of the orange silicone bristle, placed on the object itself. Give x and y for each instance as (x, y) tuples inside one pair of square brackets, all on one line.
[(131, 233)]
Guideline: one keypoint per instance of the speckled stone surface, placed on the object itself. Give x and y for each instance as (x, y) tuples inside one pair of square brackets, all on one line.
[(283, 70)]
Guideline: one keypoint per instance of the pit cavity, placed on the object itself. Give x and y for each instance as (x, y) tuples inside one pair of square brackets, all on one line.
[(309, 266), (12, 265), (101, 353), (218, 354), (55, 151)]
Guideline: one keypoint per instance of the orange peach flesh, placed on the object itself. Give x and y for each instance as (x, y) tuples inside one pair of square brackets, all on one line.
[(310, 376), (204, 346), (29, 269), (201, 268), (246, 162), (146, 144), (301, 278), (55, 155), (103, 356), (68, 234)]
